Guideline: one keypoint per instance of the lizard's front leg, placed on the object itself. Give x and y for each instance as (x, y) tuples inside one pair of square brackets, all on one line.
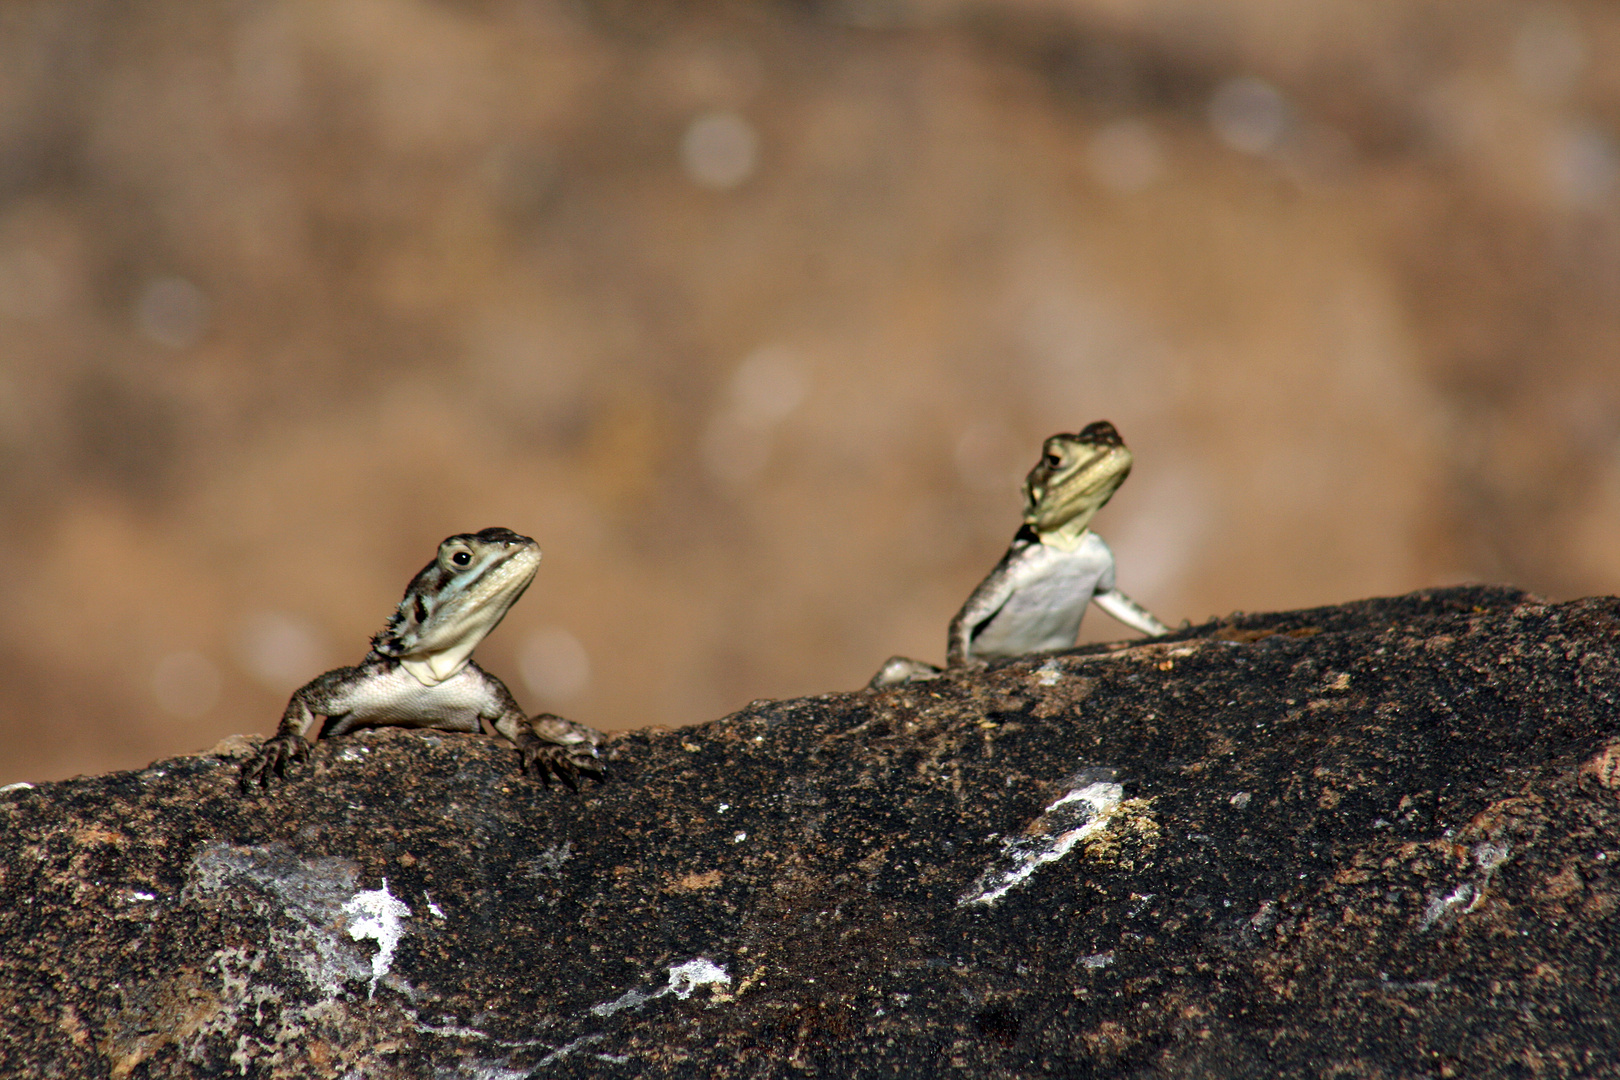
[(980, 606), (1129, 612), (287, 744)]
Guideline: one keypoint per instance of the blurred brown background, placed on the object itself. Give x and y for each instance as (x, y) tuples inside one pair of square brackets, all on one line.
[(755, 314)]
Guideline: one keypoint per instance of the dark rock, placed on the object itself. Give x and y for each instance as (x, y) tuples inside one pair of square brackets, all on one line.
[(1373, 840)]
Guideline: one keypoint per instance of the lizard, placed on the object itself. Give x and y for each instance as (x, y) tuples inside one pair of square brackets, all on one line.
[(1035, 598), (419, 671)]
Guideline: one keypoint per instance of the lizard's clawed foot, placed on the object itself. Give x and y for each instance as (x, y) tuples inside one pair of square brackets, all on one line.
[(567, 762), (898, 670), (271, 760), (562, 748)]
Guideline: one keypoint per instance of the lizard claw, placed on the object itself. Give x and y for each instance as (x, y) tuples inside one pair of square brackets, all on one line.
[(271, 760), (567, 762), (562, 748)]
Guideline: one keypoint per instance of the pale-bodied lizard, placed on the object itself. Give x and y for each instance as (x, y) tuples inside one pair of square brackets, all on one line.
[(420, 672), (1035, 598)]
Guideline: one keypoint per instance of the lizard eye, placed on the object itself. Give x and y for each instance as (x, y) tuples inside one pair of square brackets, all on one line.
[(461, 558), (1054, 461)]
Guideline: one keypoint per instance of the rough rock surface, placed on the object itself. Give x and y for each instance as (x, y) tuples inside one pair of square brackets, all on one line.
[(1376, 840)]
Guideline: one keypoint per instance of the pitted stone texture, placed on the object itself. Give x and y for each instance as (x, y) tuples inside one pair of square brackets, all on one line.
[(1365, 841)]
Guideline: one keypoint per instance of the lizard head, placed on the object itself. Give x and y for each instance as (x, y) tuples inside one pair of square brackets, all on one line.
[(456, 600), (1076, 475)]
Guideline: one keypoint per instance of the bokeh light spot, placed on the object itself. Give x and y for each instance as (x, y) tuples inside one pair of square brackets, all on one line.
[(1249, 115), (767, 386), (719, 150), (173, 312), (765, 389), (554, 665), (1585, 165), (281, 651)]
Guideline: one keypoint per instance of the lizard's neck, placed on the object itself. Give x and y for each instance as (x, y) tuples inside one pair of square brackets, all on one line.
[(1069, 535)]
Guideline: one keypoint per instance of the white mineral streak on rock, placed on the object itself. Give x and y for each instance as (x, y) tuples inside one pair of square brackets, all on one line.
[(1487, 856), (630, 999), (566, 1049), (1442, 906), (376, 915), (687, 977), (683, 980), (1080, 813)]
